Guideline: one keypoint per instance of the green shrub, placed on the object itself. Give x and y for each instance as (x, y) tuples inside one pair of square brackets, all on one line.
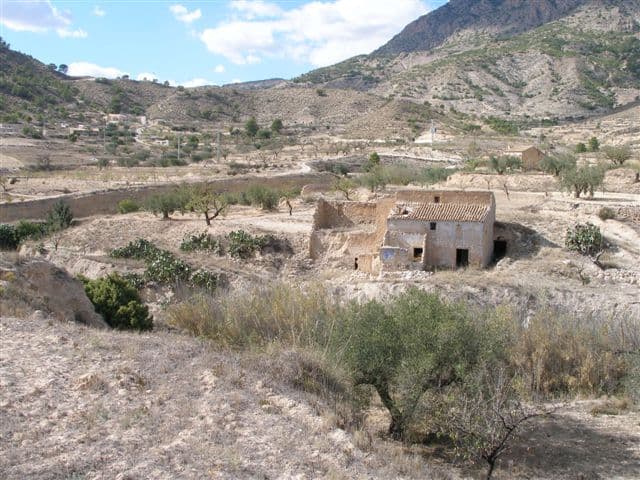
[(164, 267), (585, 238), (556, 164), (244, 245), (606, 213), (500, 125), (581, 148), (504, 163), (118, 302), (201, 241), (59, 217), (167, 203), (372, 162), (26, 230), (128, 206), (264, 197), (8, 238)]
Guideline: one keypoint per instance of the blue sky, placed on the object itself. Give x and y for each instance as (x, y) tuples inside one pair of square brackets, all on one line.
[(202, 42)]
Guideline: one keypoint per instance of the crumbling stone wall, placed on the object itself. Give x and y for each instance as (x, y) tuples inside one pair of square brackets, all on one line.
[(106, 202)]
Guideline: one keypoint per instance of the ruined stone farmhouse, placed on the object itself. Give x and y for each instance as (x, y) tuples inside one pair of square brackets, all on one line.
[(407, 230)]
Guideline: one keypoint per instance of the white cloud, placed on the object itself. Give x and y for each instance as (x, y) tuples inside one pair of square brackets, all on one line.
[(146, 76), (86, 69), (196, 82), (319, 32), (98, 12), (236, 80), (66, 33), (240, 41), (182, 14), (38, 16), (251, 9)]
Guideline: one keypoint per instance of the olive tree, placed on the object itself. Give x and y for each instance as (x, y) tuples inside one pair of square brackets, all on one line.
[(583, 179), (409, 346), (346, 186), (207, 202), (617, 155), (555, 164)]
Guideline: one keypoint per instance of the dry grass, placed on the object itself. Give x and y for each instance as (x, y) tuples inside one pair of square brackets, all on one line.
[(258, 315)]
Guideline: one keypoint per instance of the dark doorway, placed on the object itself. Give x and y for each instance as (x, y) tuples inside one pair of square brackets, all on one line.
[(499, 249), (462, 257), (355, 264), (417, 253), (436, 200)]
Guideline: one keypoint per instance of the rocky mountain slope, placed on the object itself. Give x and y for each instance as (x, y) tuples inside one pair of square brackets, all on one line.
[(543, 59), (464, 64), (505, 17)]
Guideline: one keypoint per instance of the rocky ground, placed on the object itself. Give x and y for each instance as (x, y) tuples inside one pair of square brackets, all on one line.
[(83, 403)]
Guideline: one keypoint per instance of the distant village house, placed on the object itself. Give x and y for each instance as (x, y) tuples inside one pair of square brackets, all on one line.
[(530, 156)]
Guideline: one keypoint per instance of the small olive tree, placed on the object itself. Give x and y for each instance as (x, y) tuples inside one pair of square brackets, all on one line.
[(556, 164), (504, 164), (346, 186), (484, 416), (617, 155), (207, 202), (168, 203)]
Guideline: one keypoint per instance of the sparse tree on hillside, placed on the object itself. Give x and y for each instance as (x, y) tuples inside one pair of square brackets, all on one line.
[(594, 144), (504, 163), (276, 125), (581, 148), (62, 68), (555, 164), (372, 162), (346, 186), (484, 416), (208, 203), (251, 127), (167, 203), (617, 155), (582, 180), (375, 179)]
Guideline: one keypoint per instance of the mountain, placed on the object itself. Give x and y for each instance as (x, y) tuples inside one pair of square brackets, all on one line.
[(507, 17), (553, 59)]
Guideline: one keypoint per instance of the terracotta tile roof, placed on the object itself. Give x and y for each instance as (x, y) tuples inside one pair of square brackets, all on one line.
[(441, 212)]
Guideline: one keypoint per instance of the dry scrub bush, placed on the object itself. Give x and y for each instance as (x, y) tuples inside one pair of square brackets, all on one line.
[(557, 354), (260, 315)]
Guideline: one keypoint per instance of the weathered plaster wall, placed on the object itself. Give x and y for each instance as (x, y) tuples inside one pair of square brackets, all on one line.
[(441, 243)]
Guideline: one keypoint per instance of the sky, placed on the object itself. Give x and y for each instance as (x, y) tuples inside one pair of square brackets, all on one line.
[(212, 42)]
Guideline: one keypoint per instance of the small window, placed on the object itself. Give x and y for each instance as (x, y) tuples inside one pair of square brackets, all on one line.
[(432, 226), (436, 199), (417, 253)]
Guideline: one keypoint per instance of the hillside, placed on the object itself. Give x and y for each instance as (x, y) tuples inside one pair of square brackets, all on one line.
[(554, 60)]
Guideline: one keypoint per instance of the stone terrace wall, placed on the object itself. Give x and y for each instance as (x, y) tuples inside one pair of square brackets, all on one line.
[(106, 202)]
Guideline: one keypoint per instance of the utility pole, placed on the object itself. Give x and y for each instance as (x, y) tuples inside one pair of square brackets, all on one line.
[(218, 147), (178, 147), (104, 135)]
